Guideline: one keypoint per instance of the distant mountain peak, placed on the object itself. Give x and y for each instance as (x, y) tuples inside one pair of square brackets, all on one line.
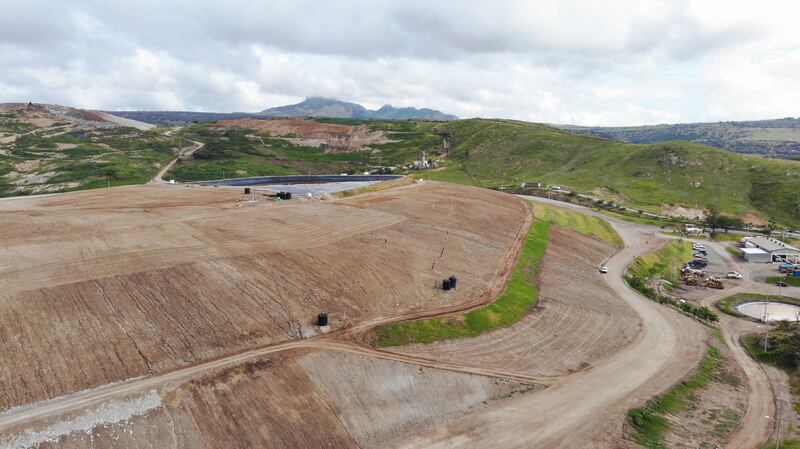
[(317, 106)]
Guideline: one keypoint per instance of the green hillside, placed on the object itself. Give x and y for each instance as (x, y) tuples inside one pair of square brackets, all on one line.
[(501, 152), (775, 138), (248, 152)]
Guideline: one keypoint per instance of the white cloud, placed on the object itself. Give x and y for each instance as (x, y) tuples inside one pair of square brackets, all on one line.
[(581, 61)]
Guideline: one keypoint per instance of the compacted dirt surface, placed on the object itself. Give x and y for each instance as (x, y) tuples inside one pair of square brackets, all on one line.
[(587, 408), (578, 320), (107, 285), (173, 317)]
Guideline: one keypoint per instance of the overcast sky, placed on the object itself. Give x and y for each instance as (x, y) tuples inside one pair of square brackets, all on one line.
[(562, 61)]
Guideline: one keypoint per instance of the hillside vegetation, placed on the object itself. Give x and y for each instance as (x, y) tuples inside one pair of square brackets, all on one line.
[(582, 223), (500, 152), (251, 151), (520, 295), (49, 148), (773, 138)]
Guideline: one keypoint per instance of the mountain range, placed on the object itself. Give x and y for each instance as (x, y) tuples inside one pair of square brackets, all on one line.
[(332, 108), (316, 107)]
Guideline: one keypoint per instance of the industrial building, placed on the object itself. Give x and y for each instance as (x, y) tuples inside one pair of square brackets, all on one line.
[(767, 249), (755, 255)]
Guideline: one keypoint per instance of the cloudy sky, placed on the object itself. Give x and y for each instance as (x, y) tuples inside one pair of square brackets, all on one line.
[(565, 61)]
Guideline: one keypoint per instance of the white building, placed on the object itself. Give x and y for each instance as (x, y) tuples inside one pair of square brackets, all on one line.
[(774, 248), (693, 230), (755, 255)]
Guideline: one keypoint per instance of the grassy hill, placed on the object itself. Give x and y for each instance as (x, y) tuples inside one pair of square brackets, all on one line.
[(500, 152), (243, 152), (774, 138), (50, 148)]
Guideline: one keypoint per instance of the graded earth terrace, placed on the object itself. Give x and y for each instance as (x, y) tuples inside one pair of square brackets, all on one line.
[(134, 281)]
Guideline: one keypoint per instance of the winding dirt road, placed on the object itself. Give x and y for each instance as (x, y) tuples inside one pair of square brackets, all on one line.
[(182, 152), (753, 429), (582, 409)]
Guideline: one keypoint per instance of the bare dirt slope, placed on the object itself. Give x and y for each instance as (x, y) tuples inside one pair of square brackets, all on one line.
[(305, 132), (287, 400), (578, 320), (264, 403), (101, 286), (122, 121), (587, 409), (379, 400)]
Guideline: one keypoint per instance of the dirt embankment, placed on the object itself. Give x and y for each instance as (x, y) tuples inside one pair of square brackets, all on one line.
[(101, 286), (304, 132), (379, 401), (295, 399), (264, 403), (577, 321)]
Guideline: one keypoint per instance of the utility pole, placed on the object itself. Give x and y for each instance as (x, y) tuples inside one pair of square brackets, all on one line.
[(780, 402), (766, 328)]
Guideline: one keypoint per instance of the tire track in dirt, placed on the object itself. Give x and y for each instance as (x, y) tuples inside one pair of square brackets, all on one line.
[(153, 300), (587, 408)]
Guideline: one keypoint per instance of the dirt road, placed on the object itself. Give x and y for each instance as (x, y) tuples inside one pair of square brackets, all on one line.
[(497, 271), (753, 429), (182, 152), (582, 409), (87, 398)]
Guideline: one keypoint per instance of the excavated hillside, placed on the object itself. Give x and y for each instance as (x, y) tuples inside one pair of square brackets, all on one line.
[(333, 137), (106, 285)]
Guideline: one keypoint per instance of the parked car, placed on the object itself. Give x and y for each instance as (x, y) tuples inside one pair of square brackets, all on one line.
[(604, 269), (698, 246), (734, 275)]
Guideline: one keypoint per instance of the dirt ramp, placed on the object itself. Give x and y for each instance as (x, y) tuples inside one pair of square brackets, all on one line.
[(577, 322), (102, 294), (266, 403), (380, 401)]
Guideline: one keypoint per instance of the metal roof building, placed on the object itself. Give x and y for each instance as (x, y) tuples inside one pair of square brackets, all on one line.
[(755, 255), (774, 247)]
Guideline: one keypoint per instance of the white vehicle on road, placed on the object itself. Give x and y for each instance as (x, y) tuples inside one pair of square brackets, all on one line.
[(734, 275), (604, 269)]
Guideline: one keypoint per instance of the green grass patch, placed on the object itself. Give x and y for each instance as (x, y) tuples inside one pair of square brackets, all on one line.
[(755, 347), (582, 223), (734, 251), (665, 263), (722, 237), (651, 176), (785, 444), (452, 174), (789, 280), (636, 218), (232, 150), (519, 297), (650, 423)]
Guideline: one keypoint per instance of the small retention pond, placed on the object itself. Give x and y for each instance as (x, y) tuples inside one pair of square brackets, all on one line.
[(302, 185), (776, 311)]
